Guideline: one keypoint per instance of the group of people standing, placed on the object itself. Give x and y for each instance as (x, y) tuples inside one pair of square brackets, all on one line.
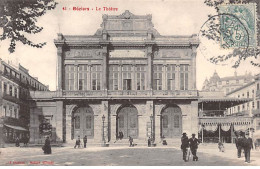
[(78, 142), (25, 141), (191, 143), (244, 142)]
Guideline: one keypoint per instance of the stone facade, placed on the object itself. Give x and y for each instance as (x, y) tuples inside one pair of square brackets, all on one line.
[(127, 74)]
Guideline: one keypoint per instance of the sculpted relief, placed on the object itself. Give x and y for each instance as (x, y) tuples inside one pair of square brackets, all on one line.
[(91, 53), (172, 53)]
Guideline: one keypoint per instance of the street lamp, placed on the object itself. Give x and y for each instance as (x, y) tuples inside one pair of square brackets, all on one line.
[(151, 118), (103, 138)]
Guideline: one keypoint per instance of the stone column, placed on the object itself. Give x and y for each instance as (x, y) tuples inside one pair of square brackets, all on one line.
[(194, 117), (193, 73), (60, 64), (104, 111), (157, 126), (98, 128), (113, 127), (68, 123), (177, 77), (59, 121), (105, 68), (149, 68)]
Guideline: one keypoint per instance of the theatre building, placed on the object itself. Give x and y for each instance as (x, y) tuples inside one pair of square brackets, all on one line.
[(126, 77)]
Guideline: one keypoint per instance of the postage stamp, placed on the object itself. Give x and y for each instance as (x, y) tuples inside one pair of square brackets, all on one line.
[(238, 25)]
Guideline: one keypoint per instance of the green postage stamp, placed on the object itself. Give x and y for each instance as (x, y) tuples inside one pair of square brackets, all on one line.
[(238, 25)]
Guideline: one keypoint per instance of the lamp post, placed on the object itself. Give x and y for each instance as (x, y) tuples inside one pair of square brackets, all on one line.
[(151, 118), (103, 137)]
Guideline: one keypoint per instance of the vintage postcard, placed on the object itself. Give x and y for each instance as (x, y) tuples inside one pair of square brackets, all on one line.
[(129, 83)]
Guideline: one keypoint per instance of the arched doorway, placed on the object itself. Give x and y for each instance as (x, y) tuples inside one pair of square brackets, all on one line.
[(171, 120), (127, 121), (83, 122)]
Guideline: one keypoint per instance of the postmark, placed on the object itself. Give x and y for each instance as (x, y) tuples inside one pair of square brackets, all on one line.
[(238, 25)]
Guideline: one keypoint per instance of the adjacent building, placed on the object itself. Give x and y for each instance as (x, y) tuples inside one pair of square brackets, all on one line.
[(226, 84), (15, 85)]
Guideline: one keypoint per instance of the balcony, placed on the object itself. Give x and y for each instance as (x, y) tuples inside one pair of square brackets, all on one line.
[(97, 94), (42, 94), (11, 98)]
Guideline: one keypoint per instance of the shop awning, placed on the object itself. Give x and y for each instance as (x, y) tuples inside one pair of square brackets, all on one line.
[(16, 127), (221, 103)]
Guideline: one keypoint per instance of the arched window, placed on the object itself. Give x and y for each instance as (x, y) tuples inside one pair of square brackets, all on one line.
[(77, 122), (176, 122), (88, 122), (165, 121)]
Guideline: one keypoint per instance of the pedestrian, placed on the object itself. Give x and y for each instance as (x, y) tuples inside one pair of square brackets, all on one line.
[(149, 142), (239, 144), (85, 140), (17, 142), (25, 141), (194, 142), (47, 146), (221, 146), (121, 135), (184, 146), (247, 145), (131, 141), (77, 144)]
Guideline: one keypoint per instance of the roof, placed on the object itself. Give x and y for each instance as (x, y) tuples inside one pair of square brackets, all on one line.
[(242, 87)]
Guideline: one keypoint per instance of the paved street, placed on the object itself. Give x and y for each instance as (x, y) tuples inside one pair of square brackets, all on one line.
[(122, 156)]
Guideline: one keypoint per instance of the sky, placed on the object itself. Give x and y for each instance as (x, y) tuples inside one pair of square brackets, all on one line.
[(170, 17)]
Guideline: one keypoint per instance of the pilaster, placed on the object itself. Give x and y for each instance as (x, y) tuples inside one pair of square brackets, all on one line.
[(59, 121)]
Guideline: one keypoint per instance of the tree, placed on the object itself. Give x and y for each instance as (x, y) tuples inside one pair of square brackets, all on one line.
[(213, 33), (19, 17)]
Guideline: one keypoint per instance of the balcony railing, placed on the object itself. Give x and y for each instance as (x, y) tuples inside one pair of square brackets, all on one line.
[(112, 93), (42, 94)]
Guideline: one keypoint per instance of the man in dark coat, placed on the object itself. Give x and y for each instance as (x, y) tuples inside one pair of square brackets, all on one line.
[(47, 146), (239, 144), (247, 145), (85, 140), (77, 144), (194, 142), (131, 141), (149, 142), (184, 145)]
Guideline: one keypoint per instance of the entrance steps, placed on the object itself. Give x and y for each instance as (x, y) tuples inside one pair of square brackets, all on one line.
[(171, 142)]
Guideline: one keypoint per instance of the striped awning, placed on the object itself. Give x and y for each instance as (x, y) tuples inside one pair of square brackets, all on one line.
[(225, 120), (225, 99), (16, 127)]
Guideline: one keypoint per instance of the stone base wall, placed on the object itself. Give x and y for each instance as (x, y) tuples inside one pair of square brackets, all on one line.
[(62, 119)]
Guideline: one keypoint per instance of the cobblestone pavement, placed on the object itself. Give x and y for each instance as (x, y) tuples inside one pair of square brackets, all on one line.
[(123, 156)]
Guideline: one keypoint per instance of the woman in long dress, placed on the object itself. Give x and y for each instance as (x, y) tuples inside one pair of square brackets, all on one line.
[(47, 146)]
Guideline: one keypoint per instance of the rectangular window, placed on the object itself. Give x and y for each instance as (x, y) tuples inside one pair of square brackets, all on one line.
[(127, 78), (70, 75), (5, 88), (157, 77), (15, 92), (11, 111), (253, 105), (82, 76), (96, 77), (258, 104), (10, 90), (184, 71), (5, 112), (247, 94), (140, 77), (170, 77), (113, 77), (257, 86), (227, 82), (15, 113)]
